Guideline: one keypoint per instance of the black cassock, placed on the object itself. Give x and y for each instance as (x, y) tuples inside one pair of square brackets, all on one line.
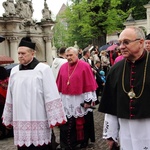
[(115, 100)]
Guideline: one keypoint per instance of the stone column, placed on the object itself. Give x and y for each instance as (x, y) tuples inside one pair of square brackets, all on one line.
[(48, 34), (13, 48), (48, 50)]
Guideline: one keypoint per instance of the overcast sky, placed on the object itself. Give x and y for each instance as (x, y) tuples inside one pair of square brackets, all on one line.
[(38, 5)]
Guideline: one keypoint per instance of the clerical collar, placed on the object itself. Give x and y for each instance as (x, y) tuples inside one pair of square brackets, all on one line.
[(143, 56), (30, 66), (28, 63), (74, 63)]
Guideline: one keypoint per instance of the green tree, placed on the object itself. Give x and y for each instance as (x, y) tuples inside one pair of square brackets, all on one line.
[(60, 30), (138, 10), (89, 21)]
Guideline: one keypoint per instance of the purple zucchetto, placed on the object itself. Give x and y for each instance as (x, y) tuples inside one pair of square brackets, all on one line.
[(26, 41)]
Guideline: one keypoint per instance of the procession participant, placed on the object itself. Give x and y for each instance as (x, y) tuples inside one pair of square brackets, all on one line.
[(57, 62), (77, 85), (125, 99), (33, 105), (4, 132)]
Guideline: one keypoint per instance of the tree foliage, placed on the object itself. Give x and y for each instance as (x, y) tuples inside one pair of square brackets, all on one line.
[(60, 30), (89, 21), (138, 10)]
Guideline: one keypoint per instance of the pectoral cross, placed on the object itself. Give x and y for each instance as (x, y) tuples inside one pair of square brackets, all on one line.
[(68, 83), (71, 107)]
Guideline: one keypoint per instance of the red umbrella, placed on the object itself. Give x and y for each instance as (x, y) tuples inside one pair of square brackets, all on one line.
[(5, 59), (112, 47)]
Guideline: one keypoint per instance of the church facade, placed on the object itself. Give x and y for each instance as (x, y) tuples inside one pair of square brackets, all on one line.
[(17, 23)]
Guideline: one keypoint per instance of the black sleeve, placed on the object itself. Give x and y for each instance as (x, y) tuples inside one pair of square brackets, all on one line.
[(108, 103)]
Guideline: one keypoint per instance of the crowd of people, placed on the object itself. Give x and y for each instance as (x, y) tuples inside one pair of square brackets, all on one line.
[(36, 97)]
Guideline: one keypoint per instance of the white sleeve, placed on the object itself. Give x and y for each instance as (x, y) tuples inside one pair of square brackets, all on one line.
[(111, 127), (90, 96), (54, 107)]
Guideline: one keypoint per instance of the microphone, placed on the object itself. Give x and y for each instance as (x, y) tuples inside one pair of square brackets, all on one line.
[(92, 107)]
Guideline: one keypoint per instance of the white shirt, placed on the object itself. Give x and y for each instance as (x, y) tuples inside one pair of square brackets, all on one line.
[(56, 64), (131, 134)]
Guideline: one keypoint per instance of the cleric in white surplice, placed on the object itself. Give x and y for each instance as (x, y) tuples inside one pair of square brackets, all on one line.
[(33, 105)]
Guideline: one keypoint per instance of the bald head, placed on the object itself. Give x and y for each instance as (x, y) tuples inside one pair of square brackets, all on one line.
[(134, 31), (131, 42)]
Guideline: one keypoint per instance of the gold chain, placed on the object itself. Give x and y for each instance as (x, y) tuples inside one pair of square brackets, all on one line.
[(69, 76), (144, 78)]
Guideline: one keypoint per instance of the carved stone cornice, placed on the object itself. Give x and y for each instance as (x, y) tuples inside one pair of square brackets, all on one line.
[(47, 38), (12, 38)]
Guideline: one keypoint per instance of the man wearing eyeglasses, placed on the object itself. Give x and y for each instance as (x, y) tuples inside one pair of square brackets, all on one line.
[(147, 42), (126, 97)]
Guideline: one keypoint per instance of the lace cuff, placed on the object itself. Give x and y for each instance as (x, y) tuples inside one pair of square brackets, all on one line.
[(55, 113), (111, 127), (90, 96)]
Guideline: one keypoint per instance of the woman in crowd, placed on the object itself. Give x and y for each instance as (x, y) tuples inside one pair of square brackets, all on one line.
[(105, 63)]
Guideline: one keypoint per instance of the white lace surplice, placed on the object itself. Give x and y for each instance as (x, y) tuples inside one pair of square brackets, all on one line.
[(72, 103), (111, 127), (33, 105), (133, 134)]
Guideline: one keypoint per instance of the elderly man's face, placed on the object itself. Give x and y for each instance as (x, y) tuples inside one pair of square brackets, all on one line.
[(71, 56), (131, 47), (25, 55), (147, 45)]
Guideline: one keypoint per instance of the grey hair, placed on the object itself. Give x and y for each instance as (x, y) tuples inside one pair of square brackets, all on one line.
[(139, 32), (72, 48)]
